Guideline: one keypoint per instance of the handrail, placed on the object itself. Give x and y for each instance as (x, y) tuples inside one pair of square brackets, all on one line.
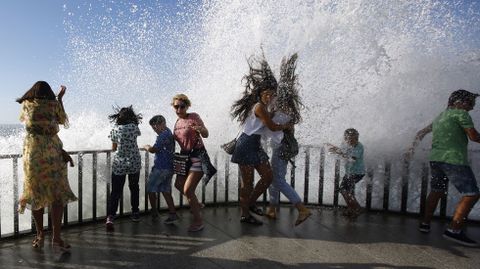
[(316, 176)]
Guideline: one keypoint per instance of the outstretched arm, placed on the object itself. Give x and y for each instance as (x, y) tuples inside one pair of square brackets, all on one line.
[(473, 134), (420, 135)]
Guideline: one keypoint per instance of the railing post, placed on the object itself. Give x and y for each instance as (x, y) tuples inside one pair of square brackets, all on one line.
[(404, 198), (321, 176), (227, 176), (423, 190), (336, 183), (15, 197), (307, 175), (368, 202), (386, 185), (109, 175), (443, 204), (80, 187), (147, 166), (94, 186), (239, 179), (215, 161)]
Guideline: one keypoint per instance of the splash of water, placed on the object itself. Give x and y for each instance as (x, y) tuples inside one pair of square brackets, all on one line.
[(385, 68)]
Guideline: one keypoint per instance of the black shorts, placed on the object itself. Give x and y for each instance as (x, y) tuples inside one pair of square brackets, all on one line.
[(349, 181)]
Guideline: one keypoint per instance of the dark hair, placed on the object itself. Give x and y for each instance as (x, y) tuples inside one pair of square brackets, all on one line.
[(125, 115), (288, 99), (256, 81), (461, 95), (351, 132), (157, 119), (39, 90)]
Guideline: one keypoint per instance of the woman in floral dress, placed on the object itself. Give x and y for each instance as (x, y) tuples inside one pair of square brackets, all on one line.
[(44, 160)]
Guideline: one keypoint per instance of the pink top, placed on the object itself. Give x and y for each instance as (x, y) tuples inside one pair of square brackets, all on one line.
[(186, 136)]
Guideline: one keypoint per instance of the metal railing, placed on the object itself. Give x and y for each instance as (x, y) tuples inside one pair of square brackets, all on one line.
[(315, 176)]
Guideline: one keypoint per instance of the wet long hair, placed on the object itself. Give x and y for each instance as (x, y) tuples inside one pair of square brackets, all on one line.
[(39, 90), (288, 99), (125, 115), (259, 78)]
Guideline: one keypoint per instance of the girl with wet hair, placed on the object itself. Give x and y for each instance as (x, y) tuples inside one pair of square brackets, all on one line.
[(251, 110), (44, 160), (125, 162), (287, 106)]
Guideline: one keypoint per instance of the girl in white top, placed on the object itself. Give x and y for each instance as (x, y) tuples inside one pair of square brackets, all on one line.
[(251, 111)]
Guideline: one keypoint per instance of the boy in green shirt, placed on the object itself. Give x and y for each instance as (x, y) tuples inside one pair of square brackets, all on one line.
[(449, 162)]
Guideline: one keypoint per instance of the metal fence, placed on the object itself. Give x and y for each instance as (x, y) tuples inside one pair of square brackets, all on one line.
[(314, 175)]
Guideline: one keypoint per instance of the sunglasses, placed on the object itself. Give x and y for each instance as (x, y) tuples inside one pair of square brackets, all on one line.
[(179, 106)]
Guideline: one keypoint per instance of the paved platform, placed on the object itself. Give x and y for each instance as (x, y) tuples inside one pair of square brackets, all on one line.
[(326, 240)]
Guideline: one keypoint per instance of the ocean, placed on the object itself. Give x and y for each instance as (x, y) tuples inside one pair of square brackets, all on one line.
[(10, 129)]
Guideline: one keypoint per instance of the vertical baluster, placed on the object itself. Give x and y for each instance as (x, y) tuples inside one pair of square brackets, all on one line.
[(368, 202), (227, 176), (15, 197), (443, 204), (404, 198), (215, 162), (321, 176), (94, 186), (239, 180), (336, 183), (424, 188), (307, 175), (107, 180), (147, 170), (80, 187), (386, 186)]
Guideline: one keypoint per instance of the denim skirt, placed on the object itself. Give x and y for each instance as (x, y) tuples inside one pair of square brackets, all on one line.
[(249, 151)]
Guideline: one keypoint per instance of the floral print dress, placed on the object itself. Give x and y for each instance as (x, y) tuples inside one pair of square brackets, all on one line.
[(45, 171)]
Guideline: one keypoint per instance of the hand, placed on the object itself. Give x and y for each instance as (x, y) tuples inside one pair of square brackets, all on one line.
[(61, 93), (197, 128), (67, 158), (147, 147)]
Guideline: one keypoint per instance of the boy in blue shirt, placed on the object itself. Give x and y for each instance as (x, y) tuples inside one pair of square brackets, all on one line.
[(160, 179), (352, 151)]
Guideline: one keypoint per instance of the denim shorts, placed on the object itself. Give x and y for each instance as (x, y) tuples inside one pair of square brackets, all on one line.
[(249, 151), (160, 180), (461, 176), (349, 181)]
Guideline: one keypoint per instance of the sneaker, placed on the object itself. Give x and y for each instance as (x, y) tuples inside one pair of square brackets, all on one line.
[(109, 223), (256, 210), (135, 217), (250, 220), (172, 218), (460, 238), (424, 227)]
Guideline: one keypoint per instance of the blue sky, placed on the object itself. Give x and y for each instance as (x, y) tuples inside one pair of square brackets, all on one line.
[(33, 42)]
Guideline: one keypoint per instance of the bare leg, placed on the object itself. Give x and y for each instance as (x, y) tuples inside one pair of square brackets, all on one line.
[(169, 199), (246, 188), (152, 196), (431, 204), (57, 213), (351, 201), (266, 177), (38, 219), (189, 187), (461, 212)]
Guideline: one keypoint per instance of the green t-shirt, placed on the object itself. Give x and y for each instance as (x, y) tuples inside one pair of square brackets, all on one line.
[(449, 142)]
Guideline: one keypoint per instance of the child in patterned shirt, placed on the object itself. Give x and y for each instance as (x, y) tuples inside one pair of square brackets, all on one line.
[(125, 162)]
